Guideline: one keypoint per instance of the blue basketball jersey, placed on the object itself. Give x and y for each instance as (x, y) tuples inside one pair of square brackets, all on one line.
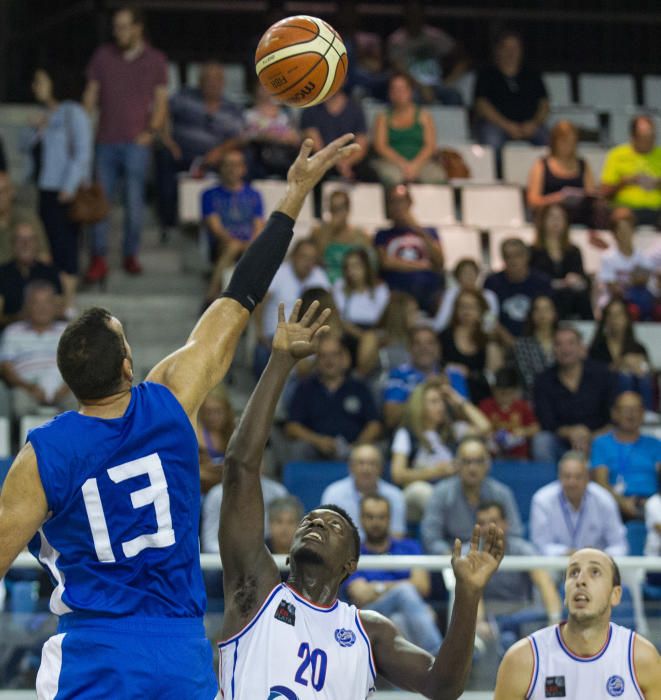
[(124, 496)]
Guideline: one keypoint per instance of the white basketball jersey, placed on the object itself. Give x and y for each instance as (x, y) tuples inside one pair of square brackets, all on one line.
[(295, 650), (559, 673)]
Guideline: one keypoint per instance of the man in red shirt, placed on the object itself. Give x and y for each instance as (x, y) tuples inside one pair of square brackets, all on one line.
[(512, 419), (127, 82)]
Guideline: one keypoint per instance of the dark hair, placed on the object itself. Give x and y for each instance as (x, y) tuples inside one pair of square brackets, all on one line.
[(566, 327), (403, 76), (374, 497), (486, 505), (529, 325), (633, 124), (478, 336), (506, 33), (540, 227), (361, 254), (513, 242), (617, 577), (461, 264), (506, 378), (90, 355), (352, 526), (136, 12), (297, 245), (629, 343), (67, 81)]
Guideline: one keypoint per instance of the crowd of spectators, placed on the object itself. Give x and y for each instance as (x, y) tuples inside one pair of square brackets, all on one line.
[(428, 374)]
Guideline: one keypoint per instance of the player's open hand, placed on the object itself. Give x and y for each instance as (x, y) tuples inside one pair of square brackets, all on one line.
[(296, 337), (476, 567), (307, 170)]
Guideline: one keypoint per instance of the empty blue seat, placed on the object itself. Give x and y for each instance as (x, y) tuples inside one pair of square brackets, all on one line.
[(636, 534), (524, 478), (307, 480)]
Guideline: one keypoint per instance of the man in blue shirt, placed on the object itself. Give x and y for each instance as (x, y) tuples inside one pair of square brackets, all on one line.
[(624, 461), (393, 593)]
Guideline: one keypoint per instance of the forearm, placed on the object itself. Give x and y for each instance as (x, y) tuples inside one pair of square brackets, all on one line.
[(476, 418), (297, 431), (12, 378), (369, 433), (542, 112), (487, 111)]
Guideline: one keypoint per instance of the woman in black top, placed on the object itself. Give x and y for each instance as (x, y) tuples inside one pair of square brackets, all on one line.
[(555, 256)]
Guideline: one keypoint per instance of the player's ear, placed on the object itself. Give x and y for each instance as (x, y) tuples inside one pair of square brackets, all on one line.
[(616, 595), (350, 566), (127, 369)]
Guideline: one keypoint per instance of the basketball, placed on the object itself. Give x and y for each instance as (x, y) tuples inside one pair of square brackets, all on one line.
[(301, 61)]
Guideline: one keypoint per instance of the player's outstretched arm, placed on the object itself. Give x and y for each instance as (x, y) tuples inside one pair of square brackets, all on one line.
[(23, 507), (249, 572), (443, 678), (193, 370), (648, 668)]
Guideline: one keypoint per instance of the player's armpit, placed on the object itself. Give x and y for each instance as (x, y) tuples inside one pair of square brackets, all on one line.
[(647, 664), (23, 507), (515, 674), (193, 370)]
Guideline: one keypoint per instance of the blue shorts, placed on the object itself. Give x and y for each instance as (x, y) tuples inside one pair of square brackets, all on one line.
[(127, 659)]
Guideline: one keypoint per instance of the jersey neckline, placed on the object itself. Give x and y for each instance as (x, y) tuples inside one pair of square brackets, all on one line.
[(127, 412), (300, 597), (578, 657)]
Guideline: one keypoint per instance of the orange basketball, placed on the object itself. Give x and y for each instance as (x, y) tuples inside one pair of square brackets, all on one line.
[(301, 61)]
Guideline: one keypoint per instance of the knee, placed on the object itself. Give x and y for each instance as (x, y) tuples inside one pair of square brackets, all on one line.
[(408, 594)]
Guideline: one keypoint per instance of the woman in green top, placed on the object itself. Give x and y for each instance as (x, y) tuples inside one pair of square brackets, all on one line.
[(405, 139), (334, 238)]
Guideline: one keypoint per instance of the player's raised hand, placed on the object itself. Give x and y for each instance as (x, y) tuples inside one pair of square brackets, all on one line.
[(476, 567), (296, 337), (307, 170)]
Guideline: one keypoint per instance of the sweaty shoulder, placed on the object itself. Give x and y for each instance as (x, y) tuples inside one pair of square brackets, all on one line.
[(516, 672)]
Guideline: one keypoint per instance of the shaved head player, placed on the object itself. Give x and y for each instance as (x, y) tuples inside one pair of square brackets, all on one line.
[(109, 497), (588, 656), (296, 640)]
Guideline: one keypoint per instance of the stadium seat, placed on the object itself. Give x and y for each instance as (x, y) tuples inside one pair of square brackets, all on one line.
[(31, 422), (620, 120), (592, 255), (5, 441), (367, 202), (460, 242), (466, 87), (518, 159), (499, 234), (192, 74), (451, 123), (307, 480), (433, 205), (652, 91), (606, 91), (189, 196), (583, 117), (174, 79), (272, 192), (371, 108), (524, 479), (486, 206), (235, 82), (558, 86), (480, 160), (636, 534), (595, 156)]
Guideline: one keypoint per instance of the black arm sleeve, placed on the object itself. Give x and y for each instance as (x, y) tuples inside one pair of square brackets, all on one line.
[(255, 270)]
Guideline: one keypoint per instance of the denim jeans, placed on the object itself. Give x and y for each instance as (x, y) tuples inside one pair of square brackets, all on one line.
[(421, 628), (130, 161), (548, 447)]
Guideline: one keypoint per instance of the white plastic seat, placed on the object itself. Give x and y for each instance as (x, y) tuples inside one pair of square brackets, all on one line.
[(367, 202), (371, 108), (583, 117), (558, 87), (273, 191), (174, 79), (5, 442), (591, 254), (606, 91), (451, 123), (189, 193), (518, 159), (652, 91), (595, 156), (496, 237), (466, 87), (460, 242), (192, 74), (433, 205), (480, 160), (620, 120), (31, 422), (235, 81), (489, 206)]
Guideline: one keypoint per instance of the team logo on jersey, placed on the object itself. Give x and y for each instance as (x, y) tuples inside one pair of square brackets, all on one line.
[(279, 692), (344, 637), (554, 687), (286, 613), (615, 686)]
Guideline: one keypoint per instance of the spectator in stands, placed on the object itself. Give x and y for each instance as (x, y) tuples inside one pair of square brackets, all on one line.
[(284, 515), (516, 286), (64, 139), (533, 351), (335, 237), (361, 301), (632, 173), (233, 214), (399, 595), (214, 428), (425, 362), (452, 509), (510, 598), (11, 215), (625, 269), (203, 125), (653, 539), (553, 255), (28, 355), (400, 317), (330, 411), (572, 399), (624, 461), (365, 469), (436, 417), (405, 139), (573, 512), (512, 420), (410, 255), (562, 177), (299, 272), (210, 526), (336, 116), (614, 343), (419, 51), (272, 136), (466, 276), (23, 268), (510, 99), (128, 81)]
